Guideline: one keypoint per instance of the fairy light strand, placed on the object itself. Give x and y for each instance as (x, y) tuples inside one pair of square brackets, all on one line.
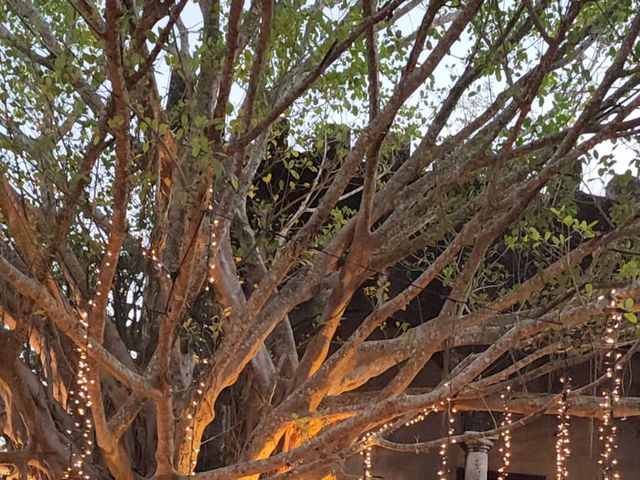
[(368, 456), (608, 431), (80, 398), (505, 448), (563, 442), (213, 243), (367, 452), (80, 403), (444, 446), (189, 430), (151, 254), (369, 440)]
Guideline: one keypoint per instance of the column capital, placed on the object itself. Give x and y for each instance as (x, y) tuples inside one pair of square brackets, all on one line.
[(483, 444)]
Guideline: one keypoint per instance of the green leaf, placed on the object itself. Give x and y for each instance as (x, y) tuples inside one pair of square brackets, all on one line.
[(534, 234), (628, 303), (201, 121), (136, 58), (588, 288), (59, 63), (630, 317)]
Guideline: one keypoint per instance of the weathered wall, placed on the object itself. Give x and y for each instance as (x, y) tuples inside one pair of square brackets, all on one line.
[(533, 452)]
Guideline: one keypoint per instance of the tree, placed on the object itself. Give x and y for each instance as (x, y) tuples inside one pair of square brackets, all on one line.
[(222, 252)]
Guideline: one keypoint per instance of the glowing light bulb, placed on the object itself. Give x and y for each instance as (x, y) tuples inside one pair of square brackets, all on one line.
[(505, 448), (611, 395), (369, 437), (444, 465), (562, 435)]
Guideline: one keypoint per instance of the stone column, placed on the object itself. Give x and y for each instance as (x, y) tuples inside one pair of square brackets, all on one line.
[(477, 464)]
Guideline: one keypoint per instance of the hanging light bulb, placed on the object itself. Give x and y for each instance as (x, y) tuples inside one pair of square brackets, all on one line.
[(444, 446), (213, 242), (152, 255), (608, 431), (562, 436), (369, 437), (368, 462), (79, 403), (505, 448), (189, 430)]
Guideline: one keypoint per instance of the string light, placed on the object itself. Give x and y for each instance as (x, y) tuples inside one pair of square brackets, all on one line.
[(444, 446), (152, 255), (562, 436), (213, 243), (369, 439), (189, 430), (367, 452), (611, 395), (368, 449), (80, 399), (80, 402), (505, 448)]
